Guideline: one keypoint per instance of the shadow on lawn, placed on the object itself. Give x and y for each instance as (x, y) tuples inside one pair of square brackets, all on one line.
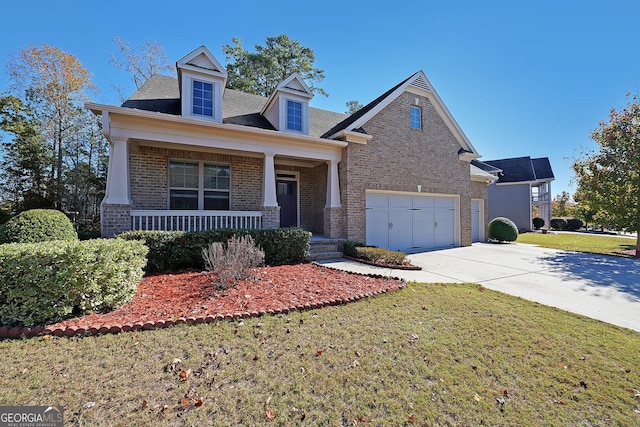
[(599, 271)]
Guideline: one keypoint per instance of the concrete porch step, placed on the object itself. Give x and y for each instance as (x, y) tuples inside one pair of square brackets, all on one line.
[(321, 249)]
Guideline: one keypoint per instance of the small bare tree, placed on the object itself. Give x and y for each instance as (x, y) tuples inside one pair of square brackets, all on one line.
[(235, 262), (141, 62)]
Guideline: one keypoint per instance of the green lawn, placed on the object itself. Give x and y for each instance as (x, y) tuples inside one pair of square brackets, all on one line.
[(428, 355), (592, 243)]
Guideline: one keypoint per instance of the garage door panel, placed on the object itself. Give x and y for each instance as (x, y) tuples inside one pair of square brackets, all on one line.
[(423, 228), (444, 225), (443, 202), (423, 202), (377, 201), (401, 231), (377, 227), (400, 202)]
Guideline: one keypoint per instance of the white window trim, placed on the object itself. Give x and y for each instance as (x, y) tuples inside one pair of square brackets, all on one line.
[(187, 97), (201, 188), (284, 114), (419, 117)]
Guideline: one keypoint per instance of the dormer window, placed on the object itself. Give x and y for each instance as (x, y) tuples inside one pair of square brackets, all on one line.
[(202, 81), (294, 116), (287, 109), (202, 98)]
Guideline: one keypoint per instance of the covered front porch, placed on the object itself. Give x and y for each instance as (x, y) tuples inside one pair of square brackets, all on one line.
[(205, 177)]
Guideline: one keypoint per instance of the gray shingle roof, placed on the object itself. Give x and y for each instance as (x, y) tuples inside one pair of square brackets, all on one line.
[(161, 93), (522, 169)]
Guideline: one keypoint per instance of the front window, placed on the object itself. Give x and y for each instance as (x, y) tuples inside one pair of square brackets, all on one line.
[(199, 186), (202, 98), (416, 118), (294, 115)]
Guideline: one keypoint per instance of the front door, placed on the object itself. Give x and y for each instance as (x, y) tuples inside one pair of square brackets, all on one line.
[(287, 194)]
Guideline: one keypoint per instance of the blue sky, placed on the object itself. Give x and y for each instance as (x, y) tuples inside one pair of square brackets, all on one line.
[(521, 78)]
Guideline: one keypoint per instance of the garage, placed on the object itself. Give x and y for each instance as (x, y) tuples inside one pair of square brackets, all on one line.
[(409, 222)]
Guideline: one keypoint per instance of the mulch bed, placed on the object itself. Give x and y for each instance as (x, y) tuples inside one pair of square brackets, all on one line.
[(626, 252), (166, 299)]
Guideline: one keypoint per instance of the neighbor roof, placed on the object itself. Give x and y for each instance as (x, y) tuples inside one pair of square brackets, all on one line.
[(521, 169), (161, 94)]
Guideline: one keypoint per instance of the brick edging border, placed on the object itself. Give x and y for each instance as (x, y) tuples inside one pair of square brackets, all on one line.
[(393, 267), (15, 332)]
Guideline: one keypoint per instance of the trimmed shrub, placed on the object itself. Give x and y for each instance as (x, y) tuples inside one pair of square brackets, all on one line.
[(349, 248), (233, 262), (47, 282), (38, 225), (538, 223), (380, 255), (574, 224), (503, 230), (558, 223), (180, 250)]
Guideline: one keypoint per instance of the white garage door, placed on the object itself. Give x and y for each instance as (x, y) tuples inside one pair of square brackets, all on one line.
[(475, 221), (406, 222)]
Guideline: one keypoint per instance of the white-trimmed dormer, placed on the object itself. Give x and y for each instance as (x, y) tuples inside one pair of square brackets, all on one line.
[(288, 106), (202, 80)]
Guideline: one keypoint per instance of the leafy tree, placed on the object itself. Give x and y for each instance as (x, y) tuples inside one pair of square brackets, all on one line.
[(260, 72), (609, 179), (561, 205), (141, 62), (54, 154), (25, 159), (54, 84), (353, 106)]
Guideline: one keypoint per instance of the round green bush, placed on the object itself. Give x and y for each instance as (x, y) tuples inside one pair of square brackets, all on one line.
[(38, 225), (538, 223), (503, 230), (574, 224)]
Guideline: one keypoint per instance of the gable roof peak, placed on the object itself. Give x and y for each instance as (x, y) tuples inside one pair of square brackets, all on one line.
[(202, 60), (295, 84)]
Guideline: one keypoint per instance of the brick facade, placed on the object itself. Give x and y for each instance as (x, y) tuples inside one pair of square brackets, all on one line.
[(114, 219), (398, 158)]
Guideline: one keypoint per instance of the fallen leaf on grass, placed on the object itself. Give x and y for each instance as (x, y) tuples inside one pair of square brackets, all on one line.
[(411, 418), (319, 352), (197, 403), (270, 414), (184, 403), (184, 375), (144, 404)]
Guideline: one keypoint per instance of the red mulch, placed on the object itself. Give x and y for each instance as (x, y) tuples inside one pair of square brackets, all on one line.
[(171, 296), (626, 252)]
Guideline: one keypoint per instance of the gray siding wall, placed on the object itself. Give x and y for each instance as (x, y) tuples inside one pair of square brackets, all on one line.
[(511, 201)]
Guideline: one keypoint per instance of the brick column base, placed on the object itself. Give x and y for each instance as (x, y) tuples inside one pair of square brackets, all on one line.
[(114, 219), (332, 223), (270, 216)]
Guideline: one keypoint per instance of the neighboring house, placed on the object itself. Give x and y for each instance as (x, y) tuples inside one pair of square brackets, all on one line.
[(189, 154), (523, 183)]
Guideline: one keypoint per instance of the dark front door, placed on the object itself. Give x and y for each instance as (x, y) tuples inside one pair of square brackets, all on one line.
[(287, 193)]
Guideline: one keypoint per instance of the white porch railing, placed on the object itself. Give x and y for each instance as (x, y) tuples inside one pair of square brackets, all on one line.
[(185, 220)]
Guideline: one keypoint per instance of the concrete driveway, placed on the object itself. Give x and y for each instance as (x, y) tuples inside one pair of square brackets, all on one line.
[(601, 287)]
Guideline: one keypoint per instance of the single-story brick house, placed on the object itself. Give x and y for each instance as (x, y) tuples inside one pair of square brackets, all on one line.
[(187, 153), (522, 183)]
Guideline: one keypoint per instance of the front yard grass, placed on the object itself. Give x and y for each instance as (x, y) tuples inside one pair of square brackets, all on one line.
[(431, 354), (591, 243)]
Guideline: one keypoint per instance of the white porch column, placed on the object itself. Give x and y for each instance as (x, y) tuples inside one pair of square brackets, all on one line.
[(117, 191), (269, 198), (333, 186)]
